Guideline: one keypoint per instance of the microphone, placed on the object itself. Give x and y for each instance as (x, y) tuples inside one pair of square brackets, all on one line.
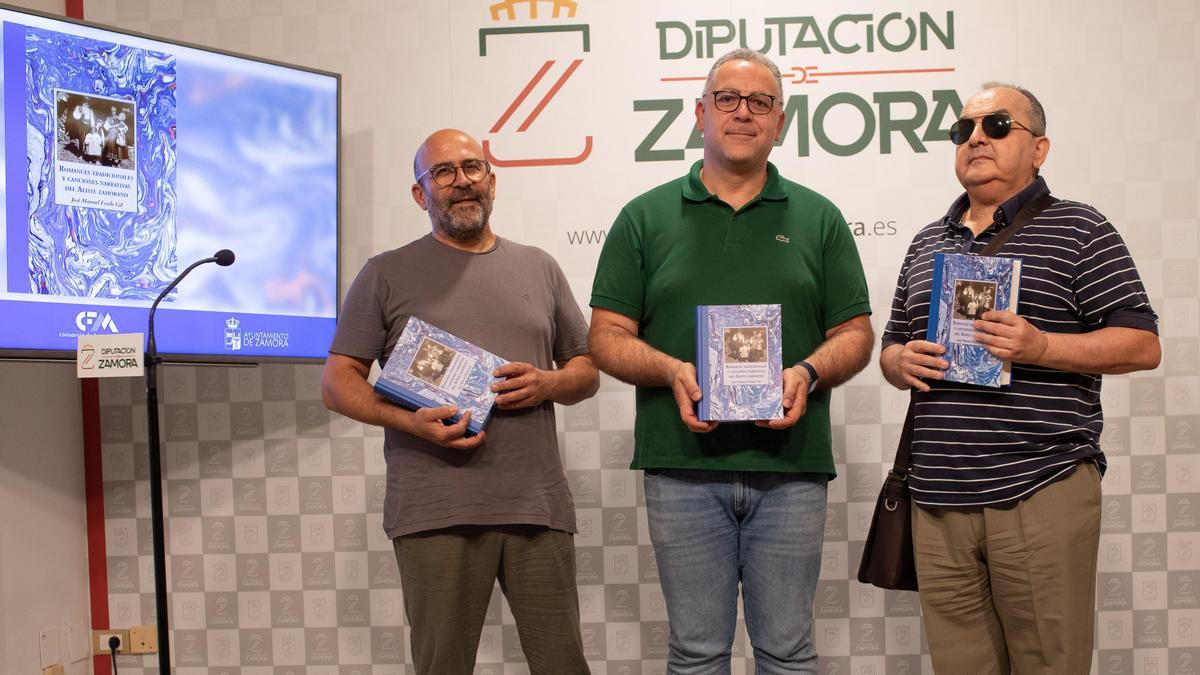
[(224, 258)]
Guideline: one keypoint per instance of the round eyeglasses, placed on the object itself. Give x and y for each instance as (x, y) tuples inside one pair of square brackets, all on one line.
[(995, 126), (726, 100), (443, 175)]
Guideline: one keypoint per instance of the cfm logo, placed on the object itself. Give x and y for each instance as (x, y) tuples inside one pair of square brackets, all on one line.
[(89, 321)]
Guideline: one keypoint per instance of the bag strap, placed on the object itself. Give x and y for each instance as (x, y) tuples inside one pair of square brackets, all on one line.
[(1024, 216), (903, 462)]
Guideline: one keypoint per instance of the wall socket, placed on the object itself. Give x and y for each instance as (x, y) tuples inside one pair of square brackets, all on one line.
[(100, 640), (143, 640)]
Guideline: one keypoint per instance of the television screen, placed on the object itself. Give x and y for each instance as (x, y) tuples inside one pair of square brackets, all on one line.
[(126, 159)]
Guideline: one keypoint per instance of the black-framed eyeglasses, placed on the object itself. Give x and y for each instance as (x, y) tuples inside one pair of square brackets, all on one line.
[(443, 175), (726, 100), (995, 125)]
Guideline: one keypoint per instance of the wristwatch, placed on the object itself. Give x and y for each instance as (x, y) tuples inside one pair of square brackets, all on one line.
[(813, 377)]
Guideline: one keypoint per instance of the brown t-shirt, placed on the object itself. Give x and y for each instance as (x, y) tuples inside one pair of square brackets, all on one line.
[(512, 300)]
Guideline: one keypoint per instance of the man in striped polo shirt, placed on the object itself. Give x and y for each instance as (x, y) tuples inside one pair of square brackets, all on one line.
[(1007, 482)]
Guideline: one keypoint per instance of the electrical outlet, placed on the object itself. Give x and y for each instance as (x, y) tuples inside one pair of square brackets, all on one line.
[(143, 640), (100, 638)]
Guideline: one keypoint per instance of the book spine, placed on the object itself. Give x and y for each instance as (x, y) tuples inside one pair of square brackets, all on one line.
[(776, 358), (935, 297), (405, 397), (703, 409), (1014, 292), (474, 426)]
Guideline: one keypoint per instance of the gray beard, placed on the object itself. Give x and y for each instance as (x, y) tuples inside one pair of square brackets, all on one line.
[(461, 227)]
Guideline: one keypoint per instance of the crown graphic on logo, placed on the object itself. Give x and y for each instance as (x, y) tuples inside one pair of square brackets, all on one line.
[(508, 7), (232, 323)]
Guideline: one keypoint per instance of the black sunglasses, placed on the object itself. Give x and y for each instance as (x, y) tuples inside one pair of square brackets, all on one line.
[(995, 125)]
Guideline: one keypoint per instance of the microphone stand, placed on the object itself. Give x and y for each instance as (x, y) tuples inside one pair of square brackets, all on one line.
[(156, 497)]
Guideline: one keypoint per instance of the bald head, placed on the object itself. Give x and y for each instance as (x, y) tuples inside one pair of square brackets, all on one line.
[(1037, 114), (445, 142)]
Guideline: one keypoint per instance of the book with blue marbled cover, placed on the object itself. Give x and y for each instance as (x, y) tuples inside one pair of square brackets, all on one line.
[(429, 368), (964, 287), (739, 362), (100, 123)]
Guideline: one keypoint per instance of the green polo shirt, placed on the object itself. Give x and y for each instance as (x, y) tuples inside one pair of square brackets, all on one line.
[(678, 246)]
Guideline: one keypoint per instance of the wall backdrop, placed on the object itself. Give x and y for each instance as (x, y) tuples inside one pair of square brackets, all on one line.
[(278, 564)]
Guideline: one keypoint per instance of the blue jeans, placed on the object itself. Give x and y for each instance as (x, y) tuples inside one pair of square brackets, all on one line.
[(714, 529)]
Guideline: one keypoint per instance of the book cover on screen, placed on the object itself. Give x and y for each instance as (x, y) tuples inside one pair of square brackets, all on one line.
[(739, 362), (100, 145), (429, 368), (964, 287)]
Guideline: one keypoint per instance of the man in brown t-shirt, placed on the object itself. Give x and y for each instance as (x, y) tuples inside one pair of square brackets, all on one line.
[(464, 511)]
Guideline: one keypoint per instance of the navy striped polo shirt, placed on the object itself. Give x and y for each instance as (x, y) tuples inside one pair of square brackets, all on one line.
[(975, 446)]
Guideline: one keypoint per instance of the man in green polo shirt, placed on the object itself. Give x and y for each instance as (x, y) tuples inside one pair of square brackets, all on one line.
[(736, 503)]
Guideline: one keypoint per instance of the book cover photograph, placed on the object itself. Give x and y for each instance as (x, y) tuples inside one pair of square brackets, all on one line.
[(964, 287), (429, 368), (99, 141), (739, 362)]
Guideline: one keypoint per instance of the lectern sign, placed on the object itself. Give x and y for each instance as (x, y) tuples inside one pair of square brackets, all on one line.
[(117, 355)]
